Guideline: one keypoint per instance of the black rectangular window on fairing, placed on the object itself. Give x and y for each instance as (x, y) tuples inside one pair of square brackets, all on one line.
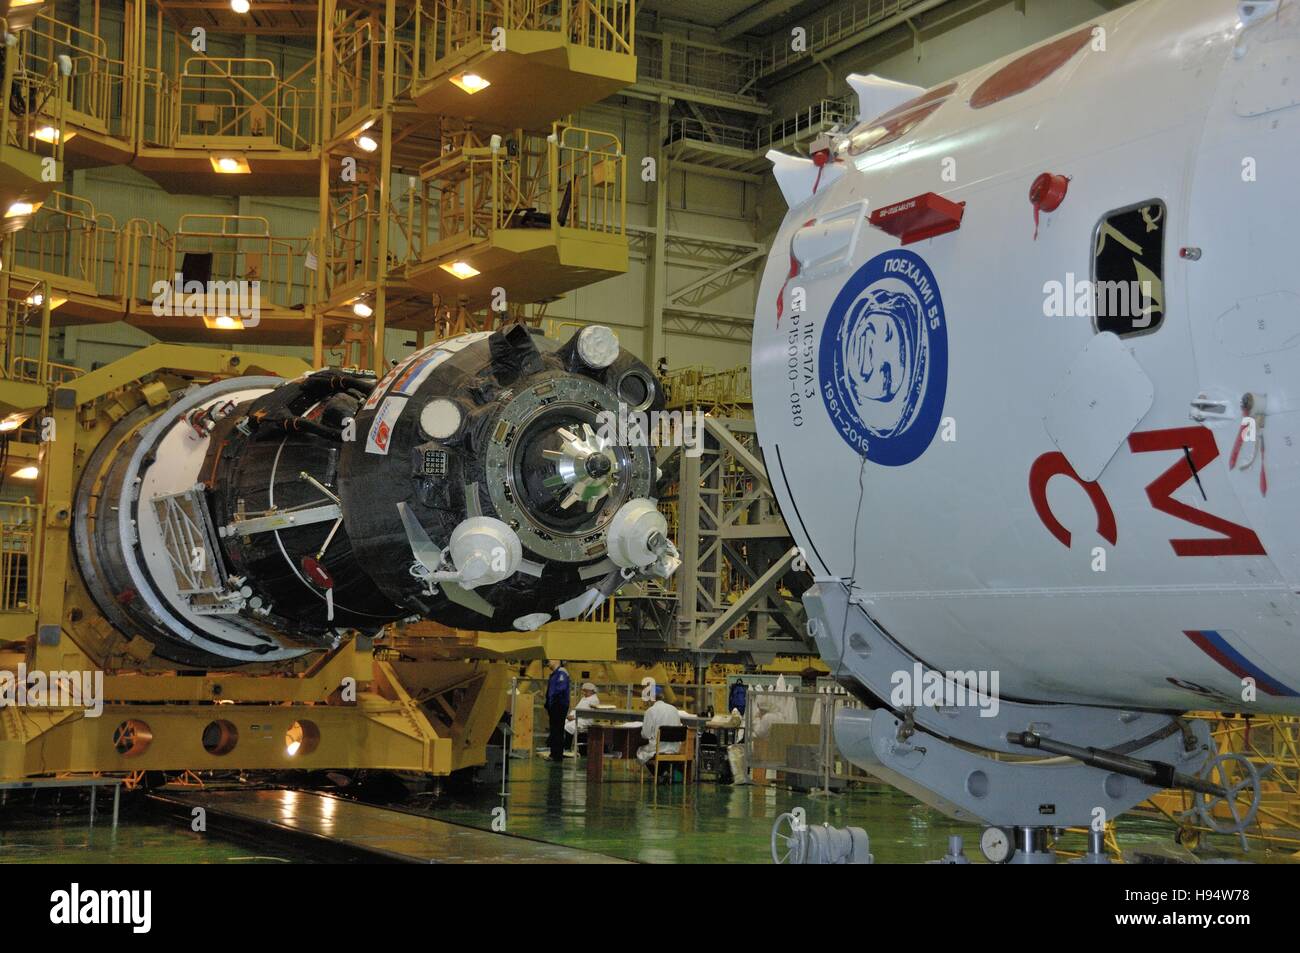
[(1128, 269)]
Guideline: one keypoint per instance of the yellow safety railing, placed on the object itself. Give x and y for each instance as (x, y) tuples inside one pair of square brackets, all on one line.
[(573, 179), (590, 167), (361, 60), (235, 248), (720, 393), (608, 25), (455, 23), (97, 80), (74, 249), (355, 74), (23, 368), (156, 91), (26, 326), (20, 547), (238, 98), (451, 25), (63, 243), (156, 122), (140, 256), (350, 248), (467, 193), (32, 103), (406, 45)]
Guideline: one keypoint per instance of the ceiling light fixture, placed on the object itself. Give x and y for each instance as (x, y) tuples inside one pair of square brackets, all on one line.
[(461, 269), (470, 82)]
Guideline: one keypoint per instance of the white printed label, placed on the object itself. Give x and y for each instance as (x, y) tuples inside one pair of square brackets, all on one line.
[(380, 437)]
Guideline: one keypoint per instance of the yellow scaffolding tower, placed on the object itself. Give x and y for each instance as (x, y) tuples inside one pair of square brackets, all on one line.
[(371, 115)]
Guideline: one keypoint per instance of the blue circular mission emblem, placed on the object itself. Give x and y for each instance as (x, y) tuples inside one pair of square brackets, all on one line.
[(883, 361)]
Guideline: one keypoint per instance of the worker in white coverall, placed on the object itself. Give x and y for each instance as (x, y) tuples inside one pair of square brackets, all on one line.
[(578, 726), (659, 715)]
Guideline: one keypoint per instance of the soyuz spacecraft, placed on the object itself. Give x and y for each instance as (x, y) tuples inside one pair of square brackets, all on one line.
[(1039, 329), (256, 519)]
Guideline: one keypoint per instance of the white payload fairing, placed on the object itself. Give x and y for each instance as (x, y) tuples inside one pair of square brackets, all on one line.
[(1027, 383)]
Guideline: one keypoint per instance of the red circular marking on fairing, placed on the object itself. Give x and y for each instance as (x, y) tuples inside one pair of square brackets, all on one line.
[(1027, 71)]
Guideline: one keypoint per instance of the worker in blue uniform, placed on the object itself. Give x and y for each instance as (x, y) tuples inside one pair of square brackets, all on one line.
[(737, 697), (557, 706)]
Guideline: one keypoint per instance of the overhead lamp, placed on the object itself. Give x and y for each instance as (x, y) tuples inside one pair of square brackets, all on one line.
[(10, 424), (224, 322), (36, 299), (229, 164), (461, 269), (20, 208), (470, 82), (366, 143), (361, 309), (27, 473), (239, 6), (51, 134)]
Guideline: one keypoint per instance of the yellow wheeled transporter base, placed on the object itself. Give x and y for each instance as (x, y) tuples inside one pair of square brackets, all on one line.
[(77, 694)]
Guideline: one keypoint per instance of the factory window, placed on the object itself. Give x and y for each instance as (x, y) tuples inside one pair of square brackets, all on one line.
[(1128, 269)]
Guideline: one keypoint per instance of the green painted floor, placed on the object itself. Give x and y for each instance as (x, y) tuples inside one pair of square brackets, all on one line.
[(715, 823), (35, 838), (705, 823)]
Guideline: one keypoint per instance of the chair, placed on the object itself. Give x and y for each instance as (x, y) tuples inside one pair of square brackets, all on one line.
[(670, 734)]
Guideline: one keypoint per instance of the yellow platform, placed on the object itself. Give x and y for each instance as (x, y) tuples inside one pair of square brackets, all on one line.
[(531, 264), (540, 77), (192, 170)]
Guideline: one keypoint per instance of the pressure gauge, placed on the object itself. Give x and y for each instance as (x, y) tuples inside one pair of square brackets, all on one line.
[(996, 845)]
